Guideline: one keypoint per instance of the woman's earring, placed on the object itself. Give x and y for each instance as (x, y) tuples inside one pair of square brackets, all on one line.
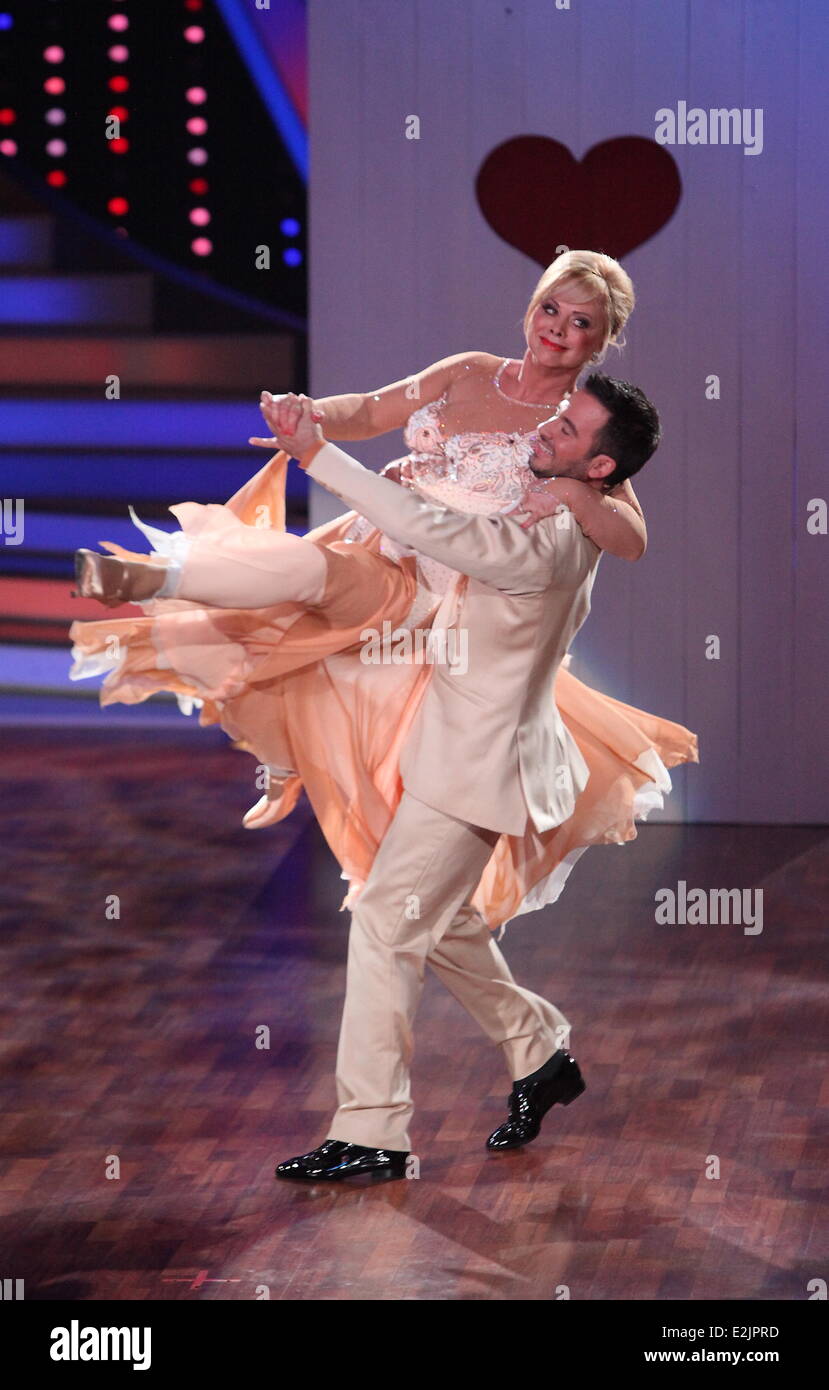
[(595, 357)]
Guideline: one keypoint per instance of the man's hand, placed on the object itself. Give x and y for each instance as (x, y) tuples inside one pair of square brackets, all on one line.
[(295, 422), (544, 497)]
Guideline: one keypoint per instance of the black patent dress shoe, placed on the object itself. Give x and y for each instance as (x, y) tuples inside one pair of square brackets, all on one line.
[(335, 1159), (530, 1099)]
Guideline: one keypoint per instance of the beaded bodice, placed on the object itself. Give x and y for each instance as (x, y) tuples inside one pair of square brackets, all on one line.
[(482, 472), (474, 472)]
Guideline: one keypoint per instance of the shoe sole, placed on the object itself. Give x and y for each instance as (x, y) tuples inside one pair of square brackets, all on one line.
[(373, 1175)]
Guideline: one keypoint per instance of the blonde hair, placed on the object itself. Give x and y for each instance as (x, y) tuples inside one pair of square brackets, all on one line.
[(589, 275)]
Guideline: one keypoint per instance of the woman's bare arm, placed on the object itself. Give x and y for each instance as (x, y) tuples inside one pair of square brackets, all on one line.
[(624, 493), (612, 520), (364, 415)]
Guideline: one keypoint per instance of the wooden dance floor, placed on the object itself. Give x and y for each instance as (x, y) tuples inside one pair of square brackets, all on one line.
[(141, 1122)]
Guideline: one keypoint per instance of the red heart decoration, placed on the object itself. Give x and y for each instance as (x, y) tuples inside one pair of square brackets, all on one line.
[(536, 196)]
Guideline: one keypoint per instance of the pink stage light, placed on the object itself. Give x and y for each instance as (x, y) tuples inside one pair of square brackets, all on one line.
[(197, 156), (194, 33), (197, 96), (199, 217), (202, 246), (56, 148), (55, 116), (197, 125), (54, 53), (54, 86), (119, 53), (8, 147), (119, 22)]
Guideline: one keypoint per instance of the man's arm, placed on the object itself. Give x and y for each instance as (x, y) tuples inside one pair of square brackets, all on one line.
[(494, 549)]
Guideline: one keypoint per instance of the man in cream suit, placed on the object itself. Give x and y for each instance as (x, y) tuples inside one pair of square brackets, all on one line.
[(487, 751)]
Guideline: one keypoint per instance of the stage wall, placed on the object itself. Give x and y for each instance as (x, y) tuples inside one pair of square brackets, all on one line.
[(405, 270)]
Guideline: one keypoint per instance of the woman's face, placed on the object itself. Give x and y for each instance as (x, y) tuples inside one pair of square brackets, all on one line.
[(563, 333)]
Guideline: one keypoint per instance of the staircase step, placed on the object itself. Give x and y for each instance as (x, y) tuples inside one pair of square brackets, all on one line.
[(37, 668), (31, 671), (51, 533), (26, 241), (97, 482), (24, 708), (79, 299), (46, 600), (225, 362), (56, 533), (44, 421)]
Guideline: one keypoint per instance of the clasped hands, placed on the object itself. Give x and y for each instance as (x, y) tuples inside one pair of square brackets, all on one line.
[(296, 423), (294, 420)]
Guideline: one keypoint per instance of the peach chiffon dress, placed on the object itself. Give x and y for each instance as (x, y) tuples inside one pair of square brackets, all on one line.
[(291, 685)]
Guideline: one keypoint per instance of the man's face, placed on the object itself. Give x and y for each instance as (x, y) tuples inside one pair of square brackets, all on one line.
[(561, 448)]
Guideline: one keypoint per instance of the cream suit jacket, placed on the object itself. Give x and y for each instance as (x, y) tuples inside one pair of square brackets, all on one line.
[(488, 745)]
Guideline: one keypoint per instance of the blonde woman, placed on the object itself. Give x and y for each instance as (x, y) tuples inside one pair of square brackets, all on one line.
[(266, 632)]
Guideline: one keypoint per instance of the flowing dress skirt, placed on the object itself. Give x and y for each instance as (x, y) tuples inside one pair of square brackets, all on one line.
[(289, 685)]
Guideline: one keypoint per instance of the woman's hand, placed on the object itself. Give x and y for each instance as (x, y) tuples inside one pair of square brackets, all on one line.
[(295, 422), (544, 497)]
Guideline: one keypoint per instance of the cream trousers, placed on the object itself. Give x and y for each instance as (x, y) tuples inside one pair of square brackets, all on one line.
[(412, 910)]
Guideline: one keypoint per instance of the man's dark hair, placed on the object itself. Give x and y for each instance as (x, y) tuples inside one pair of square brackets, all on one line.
[(633, 431)]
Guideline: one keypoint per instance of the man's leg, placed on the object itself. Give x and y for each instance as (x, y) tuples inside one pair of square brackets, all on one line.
[(468, 961), (428, 864)]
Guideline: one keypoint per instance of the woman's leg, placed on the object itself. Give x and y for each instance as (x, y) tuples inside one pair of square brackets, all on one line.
[(276, 567)]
